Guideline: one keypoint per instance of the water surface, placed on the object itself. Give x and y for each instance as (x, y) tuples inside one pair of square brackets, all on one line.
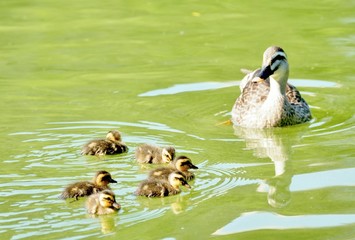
[(167, 73)]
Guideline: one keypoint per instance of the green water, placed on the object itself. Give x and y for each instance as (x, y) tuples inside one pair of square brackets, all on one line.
[(166, 72)]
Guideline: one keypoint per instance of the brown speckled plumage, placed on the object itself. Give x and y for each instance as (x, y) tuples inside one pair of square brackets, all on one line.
[(262, 104), (102, 203), (85, 188), (146, 153), (153, 187), (181, 164), (111, 145)]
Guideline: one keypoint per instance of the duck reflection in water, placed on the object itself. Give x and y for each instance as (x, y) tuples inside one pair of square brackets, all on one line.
[(273, 144), (178, 203), (107, 222)]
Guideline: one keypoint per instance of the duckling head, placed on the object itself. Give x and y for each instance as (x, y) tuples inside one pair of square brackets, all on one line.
[(168, 154), (114, 136), (275, 66), (103, 178), (176, 179), (107, 200), (183, 163)]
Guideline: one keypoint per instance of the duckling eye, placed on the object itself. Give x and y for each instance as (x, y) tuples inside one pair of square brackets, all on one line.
[(108, 199), (106, 178)]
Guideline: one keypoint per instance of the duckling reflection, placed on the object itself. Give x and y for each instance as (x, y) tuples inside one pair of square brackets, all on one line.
[(111, 145), (107, 223), (146, 153), (181, 163), (85, 188), (270, 143), (178, 203)]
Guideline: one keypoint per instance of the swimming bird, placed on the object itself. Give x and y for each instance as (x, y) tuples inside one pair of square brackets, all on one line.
[(111, 145), (161, 188), (146, 153), (181, 164), (85, 188), (266, 99), (102, 203)]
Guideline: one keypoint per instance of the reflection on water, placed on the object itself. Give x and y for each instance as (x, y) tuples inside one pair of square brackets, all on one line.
[(189, 87), (164, 72), (107, 222), (331, 178), (272, 144), (202, 86), (252, 221)]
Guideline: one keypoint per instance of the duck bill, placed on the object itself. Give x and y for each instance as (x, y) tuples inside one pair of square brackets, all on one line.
[(193, 166), (265, 72), (185, 184), (116, 206), (113, 181)]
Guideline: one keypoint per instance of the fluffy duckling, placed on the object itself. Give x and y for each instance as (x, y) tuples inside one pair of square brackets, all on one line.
[(111, 145), (146, 153), (102, 203), (161, 188), (181, 163), (85, 188)]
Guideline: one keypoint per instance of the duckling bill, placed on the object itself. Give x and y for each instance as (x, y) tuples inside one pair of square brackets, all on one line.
[(111, 145), (146, 153), (85, 188)]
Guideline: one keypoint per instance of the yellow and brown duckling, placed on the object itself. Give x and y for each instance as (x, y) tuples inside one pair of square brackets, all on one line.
[(181, 163), (146, 153), (85, 188), (153, 187), (111, 145), (102, 203)]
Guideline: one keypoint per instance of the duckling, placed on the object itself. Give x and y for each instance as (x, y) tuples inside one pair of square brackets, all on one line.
[(111, 145), (146, 153), (85, 188), (181, 163), (161, 188), (102, 203)]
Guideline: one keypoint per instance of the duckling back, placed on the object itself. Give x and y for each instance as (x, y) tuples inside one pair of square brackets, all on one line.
[(102, 203), (103, 147), (146, 153), (153, 187), (156, 188), (181, 164), (111, 145), (164, 172), (161, 173), (85, 188), (80, 189)]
